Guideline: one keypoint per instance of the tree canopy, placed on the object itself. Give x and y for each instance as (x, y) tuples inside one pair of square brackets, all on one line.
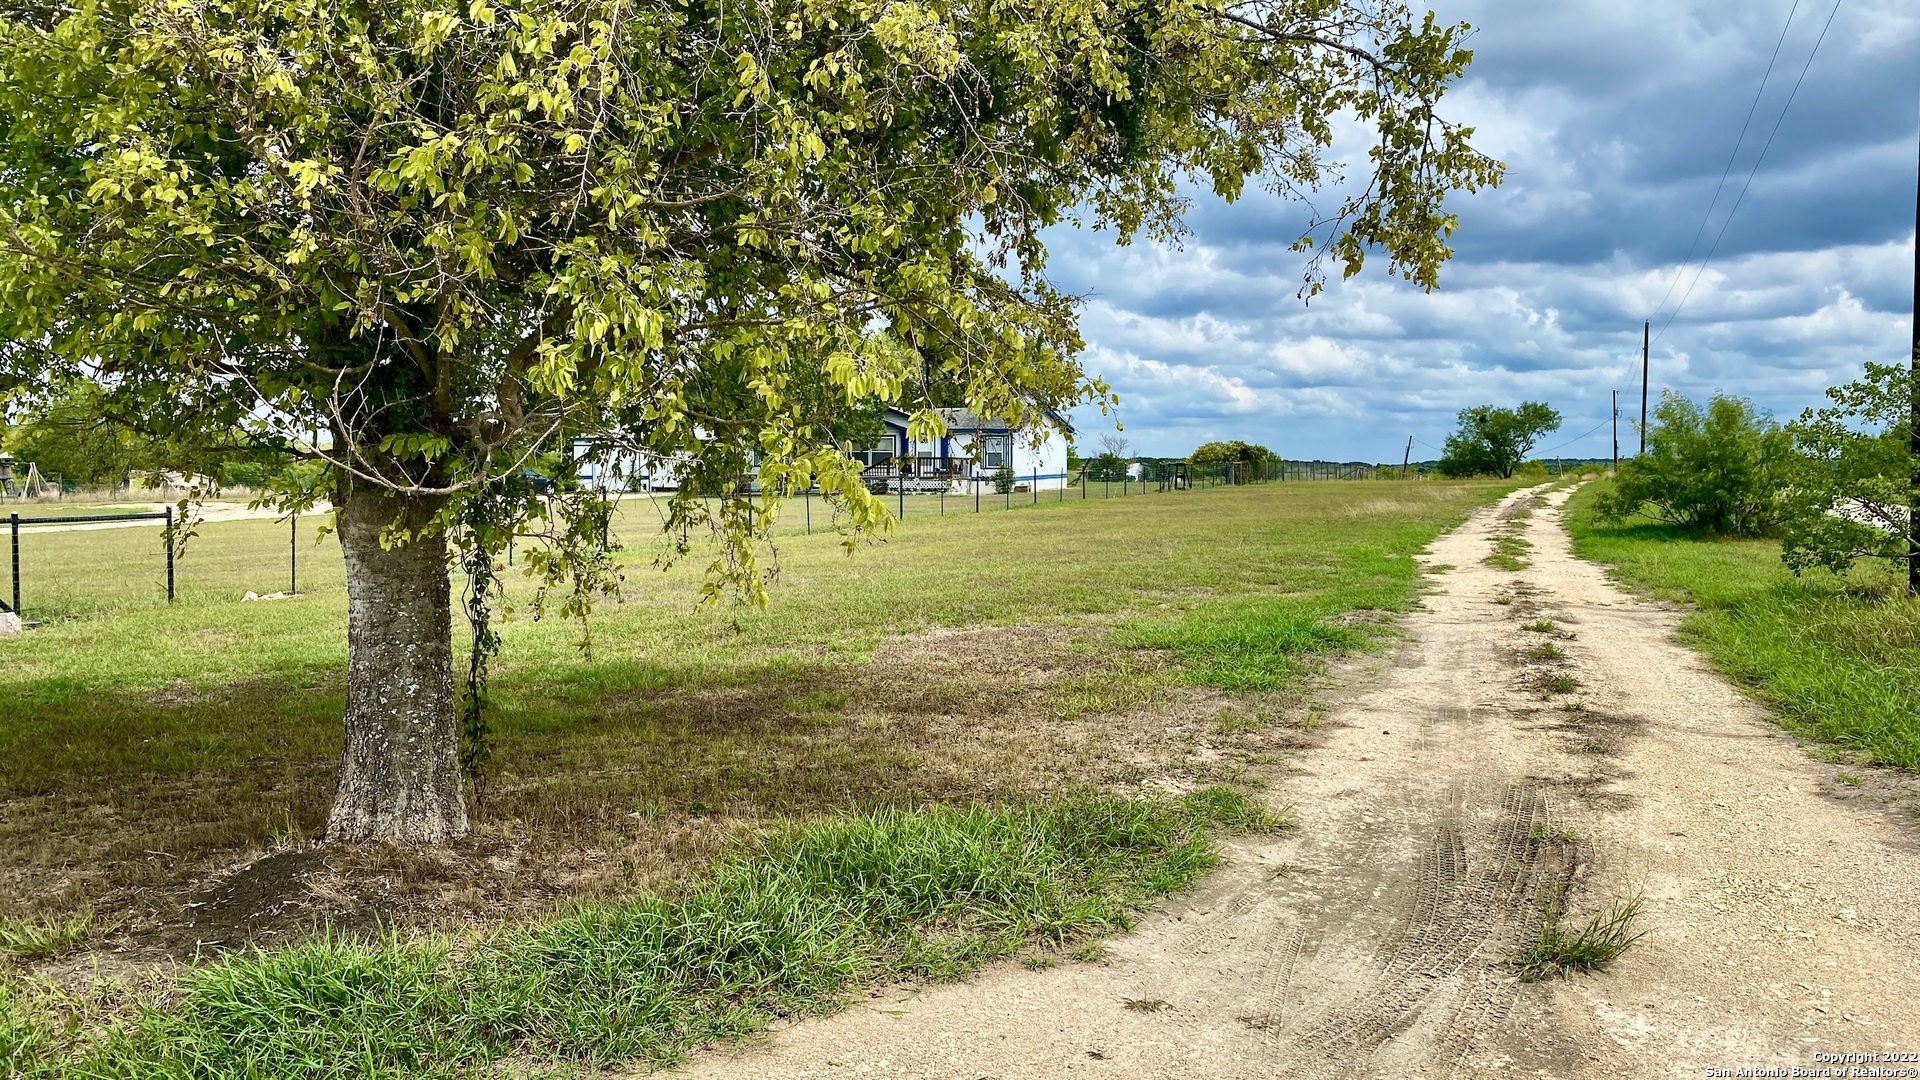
[(1492, 440), (1852, 495), (419, 243), (1214, 453)]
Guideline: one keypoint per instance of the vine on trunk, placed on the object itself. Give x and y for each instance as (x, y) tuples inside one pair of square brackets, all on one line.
[(483, 586)]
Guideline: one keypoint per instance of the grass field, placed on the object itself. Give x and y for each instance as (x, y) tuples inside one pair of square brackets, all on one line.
[(1837, 658), (961, 743), (972, 658)]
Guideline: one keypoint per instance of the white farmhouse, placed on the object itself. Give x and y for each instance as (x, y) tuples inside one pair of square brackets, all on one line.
[(967, 457)]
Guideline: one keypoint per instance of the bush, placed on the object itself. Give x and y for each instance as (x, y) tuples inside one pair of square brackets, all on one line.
[(1003, 480), (1723, 470)]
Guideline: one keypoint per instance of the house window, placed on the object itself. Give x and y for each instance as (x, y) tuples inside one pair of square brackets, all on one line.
[(996, 449), (878, 453)]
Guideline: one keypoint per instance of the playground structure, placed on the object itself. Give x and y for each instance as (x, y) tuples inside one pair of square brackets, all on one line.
[(18, 484)]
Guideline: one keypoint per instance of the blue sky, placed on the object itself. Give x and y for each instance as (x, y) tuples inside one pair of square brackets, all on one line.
[(1615, 119)]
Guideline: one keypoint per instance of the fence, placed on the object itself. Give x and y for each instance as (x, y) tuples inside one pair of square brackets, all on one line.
[(72, 565), (14, 521), (931, 486), (57, 573)]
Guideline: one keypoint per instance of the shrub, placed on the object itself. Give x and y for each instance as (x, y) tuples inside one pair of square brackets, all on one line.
[(1003, 480), (1722, 470)]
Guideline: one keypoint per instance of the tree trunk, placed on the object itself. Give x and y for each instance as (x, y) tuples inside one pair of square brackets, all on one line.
[(400, 769)]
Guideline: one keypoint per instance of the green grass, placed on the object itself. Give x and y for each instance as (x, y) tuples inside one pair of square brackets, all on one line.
[(1558, 950), (1838, 658), (147, 739), (38, 939), (1509, 553), (793, 925)]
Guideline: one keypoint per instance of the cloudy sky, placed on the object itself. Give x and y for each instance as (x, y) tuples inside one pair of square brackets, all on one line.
[(1616, 119)]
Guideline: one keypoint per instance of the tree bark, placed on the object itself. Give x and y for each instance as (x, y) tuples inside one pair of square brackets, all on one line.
[(400, 769)]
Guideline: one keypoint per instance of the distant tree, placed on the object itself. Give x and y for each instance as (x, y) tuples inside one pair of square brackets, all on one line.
[(1720, 470), (1114, 443), (1495, 441), (1107, 468), (1851, 495), (1235, 450), (69, 435)]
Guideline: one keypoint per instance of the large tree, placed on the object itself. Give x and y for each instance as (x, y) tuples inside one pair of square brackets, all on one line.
[(1494, 440), (442, 237)]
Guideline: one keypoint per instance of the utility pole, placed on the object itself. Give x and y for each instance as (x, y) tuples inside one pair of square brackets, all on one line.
[(1646, 331), (1406, 458), (1913, 425), (1616, 432)]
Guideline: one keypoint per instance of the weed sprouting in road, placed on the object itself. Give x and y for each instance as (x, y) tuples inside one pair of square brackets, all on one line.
[(1509, 553), (1559, 951)]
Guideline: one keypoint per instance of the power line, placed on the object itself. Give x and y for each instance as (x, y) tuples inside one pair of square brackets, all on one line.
[(1804, 68), (1731, 156), (1576, 438)]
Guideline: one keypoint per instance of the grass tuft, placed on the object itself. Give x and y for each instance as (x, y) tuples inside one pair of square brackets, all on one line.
[(1540, 626), (1557, 951), (40, 939), (1233, 809), (1093, 952)]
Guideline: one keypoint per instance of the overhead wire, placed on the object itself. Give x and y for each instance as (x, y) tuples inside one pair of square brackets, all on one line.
[(1576, 438), (1755, 171), (1732, 156)]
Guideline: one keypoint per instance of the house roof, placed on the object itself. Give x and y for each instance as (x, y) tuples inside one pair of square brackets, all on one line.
[(962, 421)]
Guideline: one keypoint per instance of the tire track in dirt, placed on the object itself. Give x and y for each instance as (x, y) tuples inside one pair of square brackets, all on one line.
[(1458, 790)]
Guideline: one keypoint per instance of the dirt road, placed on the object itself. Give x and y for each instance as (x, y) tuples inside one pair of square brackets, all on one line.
[(1477, 775)]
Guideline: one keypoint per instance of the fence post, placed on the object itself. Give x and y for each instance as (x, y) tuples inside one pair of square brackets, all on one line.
[(14, 528), (903, 494), (1036, 485), (169, 535), (806, 497), (293, 555), (976, 494)]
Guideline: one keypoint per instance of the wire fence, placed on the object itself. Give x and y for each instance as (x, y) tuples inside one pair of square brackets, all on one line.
[(74, 561)]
